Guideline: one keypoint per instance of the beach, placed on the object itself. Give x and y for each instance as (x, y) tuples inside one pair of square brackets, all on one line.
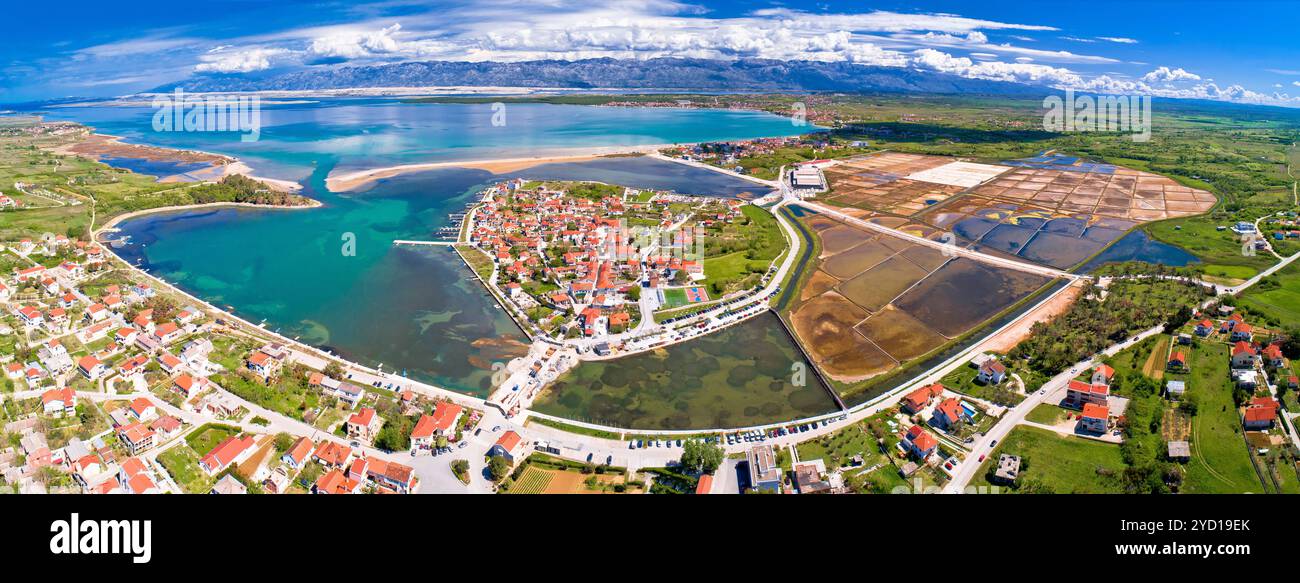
[(350, 181)]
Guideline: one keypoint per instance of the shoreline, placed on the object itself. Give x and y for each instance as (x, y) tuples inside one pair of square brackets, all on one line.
[(219, 165), (113, 222), (249, 328), (352, 181)]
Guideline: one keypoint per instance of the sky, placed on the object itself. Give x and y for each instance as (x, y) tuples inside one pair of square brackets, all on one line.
[(1232, 51)]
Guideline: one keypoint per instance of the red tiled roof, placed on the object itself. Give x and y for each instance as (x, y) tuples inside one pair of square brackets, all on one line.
[(300, 449), (1082, 387), (705, 484), (509, 441), (1095, 411)]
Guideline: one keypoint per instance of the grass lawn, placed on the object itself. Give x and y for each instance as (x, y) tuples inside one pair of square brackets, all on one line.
[(183, 465), (962, 380), (203, 439), (1066, 464), (1219, 250), (1220, 461), (1047, 414), (1277, 296)]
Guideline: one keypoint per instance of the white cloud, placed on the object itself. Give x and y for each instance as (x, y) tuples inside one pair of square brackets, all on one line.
[(242, 61), (1167, 75), (1118, 39)]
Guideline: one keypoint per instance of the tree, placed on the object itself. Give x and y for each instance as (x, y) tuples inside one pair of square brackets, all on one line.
[(701, 457), (498, 468), (283, 441), (460, 468), (334, 370)]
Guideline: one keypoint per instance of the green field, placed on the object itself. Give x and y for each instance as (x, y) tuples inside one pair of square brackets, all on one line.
[(1064, 464), (533, 481), (1277, 296), (738, 254), (203, 439), (1047, 414), (183, 465), (1220, 461)]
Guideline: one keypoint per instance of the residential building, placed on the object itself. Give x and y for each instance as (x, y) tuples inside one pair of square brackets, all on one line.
[(1078, 394), (919, 442), (1095, 418), (1008, 469), (919, 399), (764, 473), (509, 446), (298, 453), (364, 425), (232, 450)]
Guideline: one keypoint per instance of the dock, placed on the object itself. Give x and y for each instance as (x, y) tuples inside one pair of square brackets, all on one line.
[(449, 243)]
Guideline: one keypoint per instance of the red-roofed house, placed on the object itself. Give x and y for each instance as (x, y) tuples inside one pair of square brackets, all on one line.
[(136, 438), (189, 386), (1095, 418), (948, 413), (335, 482), (1273, 356), (60, 402), (142, 409), (298, 453), (919, 442), (1079, 393), (1258, 418), (920, 398), (1243, 355), (263, 364), (364, 424), (1242, 331), (1177, 362), (233, 450), (1102, 374), (509, 446), (91, 368), (332, 455), (167, 333), (441, 423)]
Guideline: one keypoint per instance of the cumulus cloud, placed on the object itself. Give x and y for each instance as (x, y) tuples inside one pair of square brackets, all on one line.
[(498, 30), (1167, 75), (240, 61)]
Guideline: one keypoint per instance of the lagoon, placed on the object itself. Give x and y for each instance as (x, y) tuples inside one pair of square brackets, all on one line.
[(415, 310)]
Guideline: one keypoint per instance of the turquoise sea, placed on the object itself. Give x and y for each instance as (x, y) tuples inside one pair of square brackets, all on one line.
[(415, 310)]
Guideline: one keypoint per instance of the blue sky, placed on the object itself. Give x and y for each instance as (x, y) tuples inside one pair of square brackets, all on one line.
[(1237, 51)]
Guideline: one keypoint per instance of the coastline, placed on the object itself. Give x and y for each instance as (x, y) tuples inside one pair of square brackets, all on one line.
[(112, 223), (97, 146), (252, 329), (351, 181)]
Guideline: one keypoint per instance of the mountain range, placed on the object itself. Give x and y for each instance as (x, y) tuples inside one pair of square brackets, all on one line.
[(607, 73)]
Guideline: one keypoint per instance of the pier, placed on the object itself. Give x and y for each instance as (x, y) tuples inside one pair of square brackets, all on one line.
[(448, 243)]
